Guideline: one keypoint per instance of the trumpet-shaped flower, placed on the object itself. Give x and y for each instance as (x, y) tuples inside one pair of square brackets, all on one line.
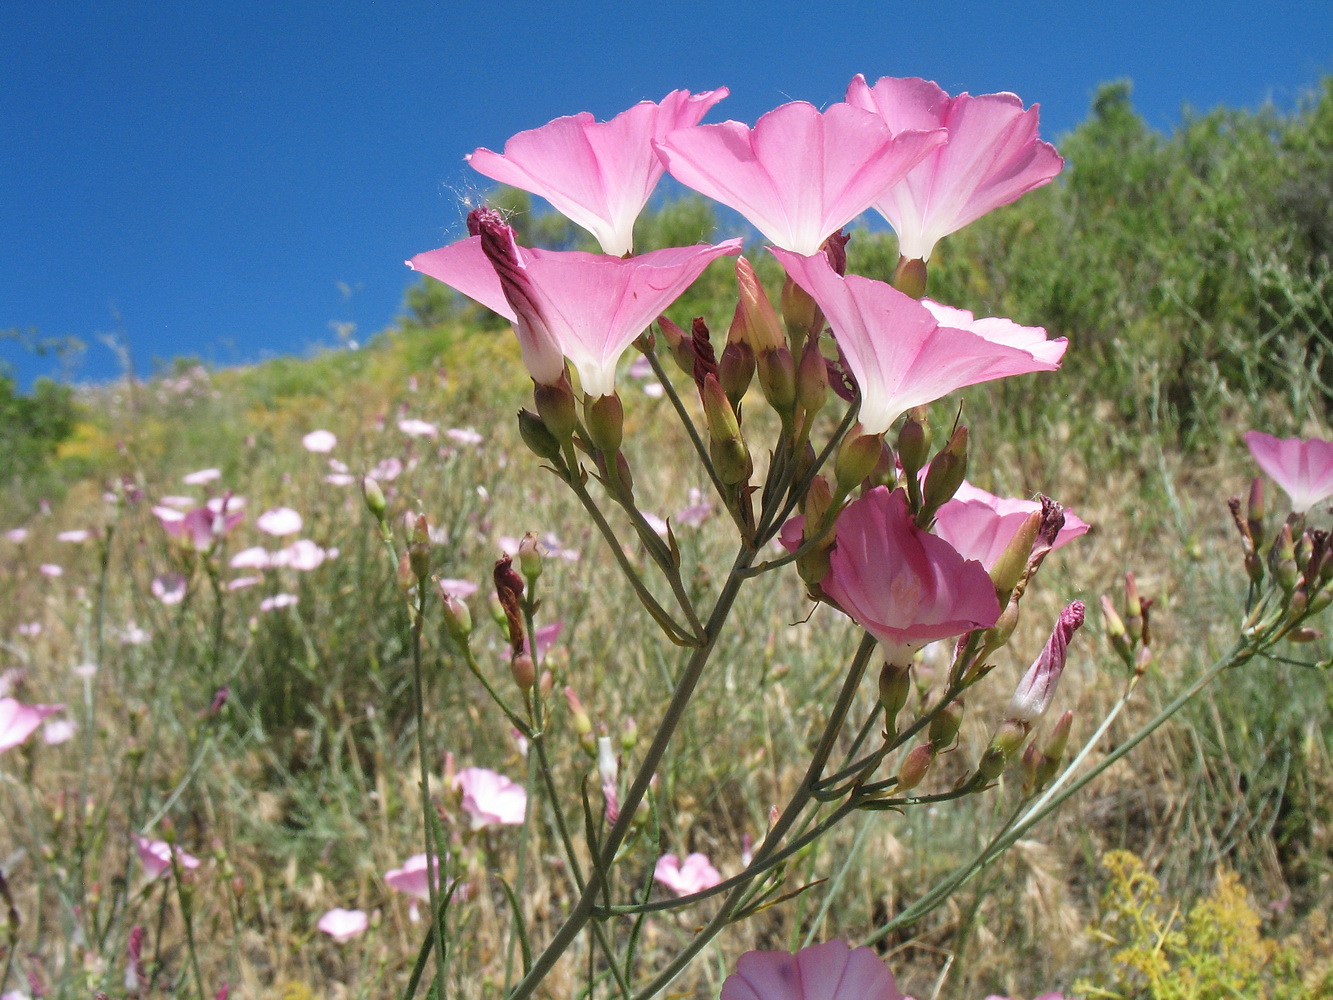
[(829, 971), (203, 527), (581, 306), (490, 799), (412, 877), (1303, 468), (598, 174), (695, 874), (800, 174), (19, 721), (1037, 688), (343, 925), (155, 856), (904, 586), (992, 158), (906, 353), (981, 525)]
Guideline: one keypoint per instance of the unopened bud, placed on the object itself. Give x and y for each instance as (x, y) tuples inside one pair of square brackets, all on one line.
[(457, 617), (540, 441), (578, 716), (945, 725), (629, 735), (530, 558), (682, 351), (914, 442), (1009, 568), (914, 767), (605, 420), (895, 685), (555, 406), (1284, 551), (857, 457), (1255, 510), (735, 369), (1000, 633), (419, 549), (1133, 609), (1009, 736), (947, 471), (726, 446), (374, 497), (800, 315), (811, 379), (524, 671), (910, 277), (407, 578), (755, 322)]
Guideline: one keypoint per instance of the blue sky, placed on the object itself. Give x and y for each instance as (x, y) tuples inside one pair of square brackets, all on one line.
[(227, 180)]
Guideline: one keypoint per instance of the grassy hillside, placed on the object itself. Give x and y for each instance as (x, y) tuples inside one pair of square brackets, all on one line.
[(262, 718)]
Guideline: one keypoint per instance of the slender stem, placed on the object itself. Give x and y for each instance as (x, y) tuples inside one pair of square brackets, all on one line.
[(1242, 651), (801, 798), (433, 858), (584, 908), (700, 448)]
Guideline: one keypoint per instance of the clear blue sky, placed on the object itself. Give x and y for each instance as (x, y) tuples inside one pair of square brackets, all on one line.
[(227, 179)]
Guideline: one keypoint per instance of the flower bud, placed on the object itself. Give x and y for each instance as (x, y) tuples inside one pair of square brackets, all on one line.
[(857, 457), (1115, 631), (914, 442), (629, 735), (1037, 688), (540, 441), (1001, 632), (682, 350), (524, 671), (811, 380), (735, 369), (578, 716), (605, 420), (509, 591), (1009, 736), (374, 497), (910, 277), (1009, 568), (407, 578), (1133, 609), (726, 446), (895, 685), (555, 405), (1255, 510), (755, 322), (944, 727), (800, 315), (457, 617), (914, 767), (530, 558), (947, 471), (419, 549)]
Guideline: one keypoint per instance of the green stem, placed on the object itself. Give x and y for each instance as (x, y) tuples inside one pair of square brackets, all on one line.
[(433, 858)]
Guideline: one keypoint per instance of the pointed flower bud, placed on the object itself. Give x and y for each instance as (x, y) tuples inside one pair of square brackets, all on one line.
[(857, 457), (811, 380), (682, 349), (914, 441), (457, 617), (947, 471), (755, 321), (914, 767), (537, 437), (1037, 688), (374, 497), (895, 685), (530, 558), (555, 405), (726, 446), (944, 727)]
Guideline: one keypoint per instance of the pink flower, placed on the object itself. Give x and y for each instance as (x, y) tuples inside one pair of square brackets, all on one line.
[(694, 874), (489, 798), (464, 435), (278, 602), (418, 428), (829, 971), (903, 355), (992, 158), (1304, 469), (201, 477), (279, 521), (18, 721), (546, 636), (155, 856), (76, 536), (320, 441), (598, 174), (581, 306), (461, 589), (904, 586), (981, 525), (169, 588), (51, 570), (255, 557), (799, 175), (411, 878), (202, 527), (343, 925), (1037, 688), (58, 731), (303, 555), (17, 535)]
